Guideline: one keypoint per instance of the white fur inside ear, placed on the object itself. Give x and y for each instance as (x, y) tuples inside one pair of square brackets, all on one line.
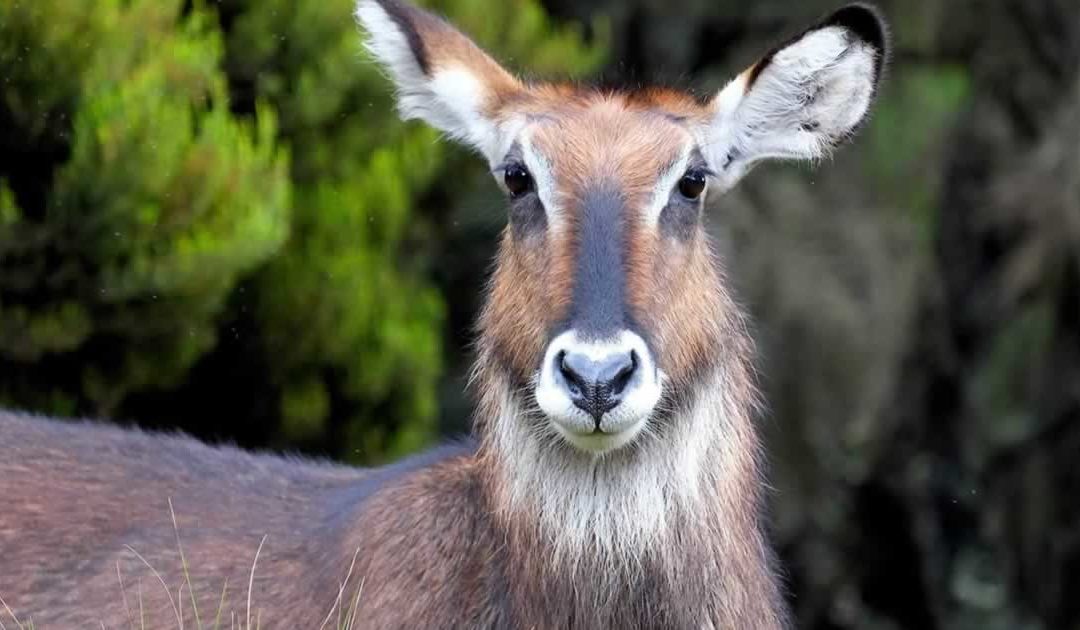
[(810, 96), (458, 104), (388, 44), (450, 100)]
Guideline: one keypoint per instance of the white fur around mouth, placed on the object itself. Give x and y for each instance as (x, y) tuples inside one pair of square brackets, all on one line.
[(600, 441), (620, 425)]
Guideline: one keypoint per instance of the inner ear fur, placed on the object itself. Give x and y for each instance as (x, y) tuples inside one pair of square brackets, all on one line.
[(442, 77), (803, 98), (863, 21)]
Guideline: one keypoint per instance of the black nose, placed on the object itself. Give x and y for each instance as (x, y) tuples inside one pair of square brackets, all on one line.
[(596, 386)]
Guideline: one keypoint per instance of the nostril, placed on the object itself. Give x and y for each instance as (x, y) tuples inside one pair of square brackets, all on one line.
[(573, 379), (596, 384), (623, 376)]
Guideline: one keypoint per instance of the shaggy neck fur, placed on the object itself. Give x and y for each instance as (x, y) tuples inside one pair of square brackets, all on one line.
[(697, 470), (616, 506), (673, 517)]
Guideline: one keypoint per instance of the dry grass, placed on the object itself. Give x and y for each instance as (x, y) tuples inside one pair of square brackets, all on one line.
[(21, 626), (135, 614)]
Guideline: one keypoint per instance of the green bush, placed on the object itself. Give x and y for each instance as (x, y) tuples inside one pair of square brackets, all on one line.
[(132, 198), (348, 313), (226, 219)]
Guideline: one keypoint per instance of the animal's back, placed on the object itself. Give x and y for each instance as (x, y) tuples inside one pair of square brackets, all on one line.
[(80, 502)]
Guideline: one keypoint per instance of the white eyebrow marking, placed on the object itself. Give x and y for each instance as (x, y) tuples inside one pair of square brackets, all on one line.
[(509, 130), (664, 186), (540, 168)]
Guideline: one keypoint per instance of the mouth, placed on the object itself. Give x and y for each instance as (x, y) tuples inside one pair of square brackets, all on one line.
[(597, 440)]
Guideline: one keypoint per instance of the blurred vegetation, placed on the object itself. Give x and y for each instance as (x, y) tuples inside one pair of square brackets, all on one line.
[(211, 218), (917, 307), (133, 199)]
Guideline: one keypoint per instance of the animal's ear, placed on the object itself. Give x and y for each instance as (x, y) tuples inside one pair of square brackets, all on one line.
[(442, 77), (803, 98)]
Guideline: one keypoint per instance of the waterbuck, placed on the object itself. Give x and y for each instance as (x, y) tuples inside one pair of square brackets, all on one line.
[(614, 479)]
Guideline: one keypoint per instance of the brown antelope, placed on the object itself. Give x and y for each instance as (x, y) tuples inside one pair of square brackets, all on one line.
[(615, 480)]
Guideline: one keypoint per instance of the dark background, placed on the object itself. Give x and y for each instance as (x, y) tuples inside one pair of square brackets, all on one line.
[(210, 219)]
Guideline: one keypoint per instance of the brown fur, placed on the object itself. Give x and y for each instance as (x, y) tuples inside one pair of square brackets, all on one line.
[(433, 546), (626, 139), (440, 540)]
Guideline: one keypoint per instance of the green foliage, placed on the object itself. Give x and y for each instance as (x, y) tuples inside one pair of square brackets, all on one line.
[(920, 104), (349, 320), (207, 172), (154, 201)]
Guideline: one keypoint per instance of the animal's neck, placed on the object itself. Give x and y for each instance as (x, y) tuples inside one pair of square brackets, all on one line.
[(674, 515), (695, 468)]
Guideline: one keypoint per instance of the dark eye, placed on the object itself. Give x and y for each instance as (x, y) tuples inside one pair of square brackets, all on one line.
[(692, 185), (518, 181)]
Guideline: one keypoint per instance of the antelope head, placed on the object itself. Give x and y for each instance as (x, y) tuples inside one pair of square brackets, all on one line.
[(606, 301)]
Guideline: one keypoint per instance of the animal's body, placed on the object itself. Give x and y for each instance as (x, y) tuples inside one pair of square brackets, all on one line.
[(615, 478)]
